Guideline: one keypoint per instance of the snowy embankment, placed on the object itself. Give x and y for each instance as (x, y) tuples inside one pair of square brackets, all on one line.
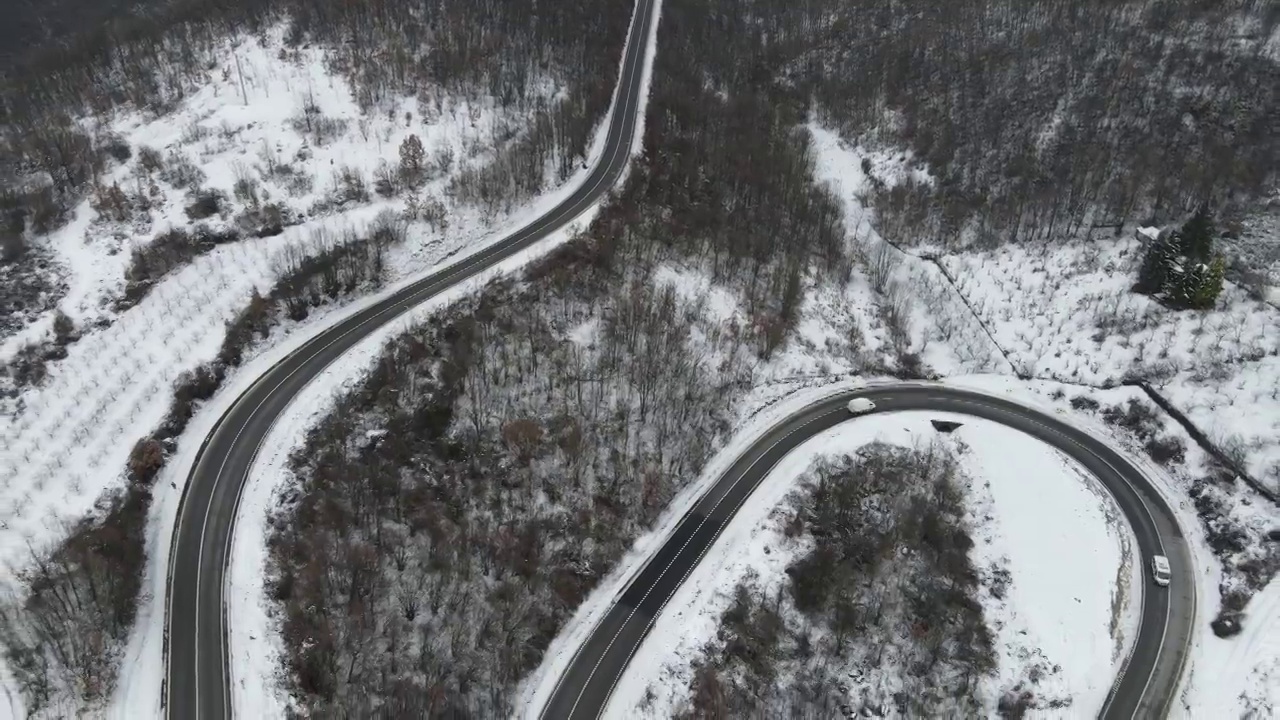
[(947, 335), (253, 634), (65, 441), (1064, 612), (1225, 677), (1240, 677)]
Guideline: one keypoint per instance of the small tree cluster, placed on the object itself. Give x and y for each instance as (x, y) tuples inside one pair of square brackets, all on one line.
[(167, 252), (1182, 267), (887, 587), (412, 159)]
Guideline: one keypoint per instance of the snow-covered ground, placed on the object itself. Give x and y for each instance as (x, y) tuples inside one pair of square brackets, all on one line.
[(839, 331), (1075, 592), (1224, 677), (1240, 677), (64, 442), (1040, 310), (944, 332), (1067, 313), (1064, 612), (227, 135), (251, 631)]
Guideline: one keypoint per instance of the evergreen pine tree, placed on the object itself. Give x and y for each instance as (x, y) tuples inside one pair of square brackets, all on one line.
[(1180, 285), (1154, 272), (1196, 236), (1182, 266), (1209, 284)]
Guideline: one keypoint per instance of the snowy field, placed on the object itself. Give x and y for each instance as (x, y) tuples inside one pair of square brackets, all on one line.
[(1225, 677), (1064, 614), (1240, 678), (1066, 313), (63, 443), (252, 632), (945, 333), (1220, 367)]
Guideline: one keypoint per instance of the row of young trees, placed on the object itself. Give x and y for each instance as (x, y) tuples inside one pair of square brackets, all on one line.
[(63, 637), (886, 589)]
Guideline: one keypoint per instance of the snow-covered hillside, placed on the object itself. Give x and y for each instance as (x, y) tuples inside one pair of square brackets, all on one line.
[(61, 438), (272, 134), (843, 328), (1067, 313)]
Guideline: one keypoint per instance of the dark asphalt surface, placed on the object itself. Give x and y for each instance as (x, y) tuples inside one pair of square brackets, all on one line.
[(1143, 689), (197, 678)]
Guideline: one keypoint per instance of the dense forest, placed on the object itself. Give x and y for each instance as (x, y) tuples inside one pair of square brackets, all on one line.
[(1046, 120), (36, 28), (1038, 119)]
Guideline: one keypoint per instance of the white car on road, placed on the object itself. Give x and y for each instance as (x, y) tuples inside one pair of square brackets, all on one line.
[(1160, 570), (859, 406)]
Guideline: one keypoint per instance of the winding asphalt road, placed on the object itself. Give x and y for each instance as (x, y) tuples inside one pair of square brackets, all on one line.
[(1143, 689), (197, 681), (197, 684)]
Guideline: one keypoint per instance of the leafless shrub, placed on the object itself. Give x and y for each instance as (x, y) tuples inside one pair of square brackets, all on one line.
[(386, 180), (312, 121), (194, 132), (297, 183), (246, 184), (180, 172), (881, 262), (205, 203), (150, 160), (347, 185)]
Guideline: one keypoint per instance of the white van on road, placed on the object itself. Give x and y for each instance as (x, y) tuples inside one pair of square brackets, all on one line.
[(1160, 570), (860, 406)]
